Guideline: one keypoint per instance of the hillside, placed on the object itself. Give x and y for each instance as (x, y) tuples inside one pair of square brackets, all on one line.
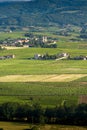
[(43, 13)]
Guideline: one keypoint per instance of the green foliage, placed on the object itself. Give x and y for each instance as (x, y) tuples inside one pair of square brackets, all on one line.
[(76, 115)]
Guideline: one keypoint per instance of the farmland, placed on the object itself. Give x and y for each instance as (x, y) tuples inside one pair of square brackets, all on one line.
[(23, 126), (42, 78), (43, 65), (47, 82), (25, 65), (47, 94)]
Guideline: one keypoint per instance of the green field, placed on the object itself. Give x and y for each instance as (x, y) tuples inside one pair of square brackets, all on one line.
[(22, 65), (12, 35), (23, 126), (46, 93), (48, 82)]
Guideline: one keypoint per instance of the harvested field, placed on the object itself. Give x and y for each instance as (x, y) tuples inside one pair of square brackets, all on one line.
[(41, 78)]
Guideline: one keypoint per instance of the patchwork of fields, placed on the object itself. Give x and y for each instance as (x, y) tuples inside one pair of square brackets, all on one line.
[(48, 82)]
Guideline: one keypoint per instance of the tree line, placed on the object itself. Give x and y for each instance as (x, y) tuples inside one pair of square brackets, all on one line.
[(61, 114)]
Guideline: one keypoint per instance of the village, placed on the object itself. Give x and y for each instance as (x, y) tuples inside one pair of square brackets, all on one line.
[(30, 40)]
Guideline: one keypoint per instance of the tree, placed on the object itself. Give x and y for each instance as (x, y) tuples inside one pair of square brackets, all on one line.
[(38, 113), (9, 110), (80, 115), (22, 111), (50, 114)]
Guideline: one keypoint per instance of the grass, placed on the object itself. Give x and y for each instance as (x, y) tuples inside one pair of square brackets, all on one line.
[(23, 126), (12, 35), (35, 67), (22, 65)]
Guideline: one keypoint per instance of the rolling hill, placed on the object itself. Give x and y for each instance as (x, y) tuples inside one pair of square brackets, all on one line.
[(43, 13)]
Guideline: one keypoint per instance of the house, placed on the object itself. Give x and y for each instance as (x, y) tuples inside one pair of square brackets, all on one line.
[(38, 56)]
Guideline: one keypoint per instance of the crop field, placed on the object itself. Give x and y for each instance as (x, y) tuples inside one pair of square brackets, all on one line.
[(35, 67), (41, 78), (45, 93), (23, 126)]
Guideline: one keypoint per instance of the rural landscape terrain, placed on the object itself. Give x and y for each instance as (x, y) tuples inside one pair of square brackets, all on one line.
[(43, 65)]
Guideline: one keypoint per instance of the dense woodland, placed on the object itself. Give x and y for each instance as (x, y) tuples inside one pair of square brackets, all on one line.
[(73, 115)]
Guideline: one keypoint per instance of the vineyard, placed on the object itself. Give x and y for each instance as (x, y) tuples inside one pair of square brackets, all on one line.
[(48, 82), (44, 93)]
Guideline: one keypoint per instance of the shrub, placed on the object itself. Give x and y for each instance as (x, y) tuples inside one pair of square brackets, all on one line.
[(1, 129)]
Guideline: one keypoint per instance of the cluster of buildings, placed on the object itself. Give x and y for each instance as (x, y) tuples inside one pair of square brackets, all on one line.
[(15, 42), (28, 42), (7, 57), (55, 56), (59, 56), (80, 58)]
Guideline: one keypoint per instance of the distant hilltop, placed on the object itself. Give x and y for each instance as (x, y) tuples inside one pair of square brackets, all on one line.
[(43, 13)]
